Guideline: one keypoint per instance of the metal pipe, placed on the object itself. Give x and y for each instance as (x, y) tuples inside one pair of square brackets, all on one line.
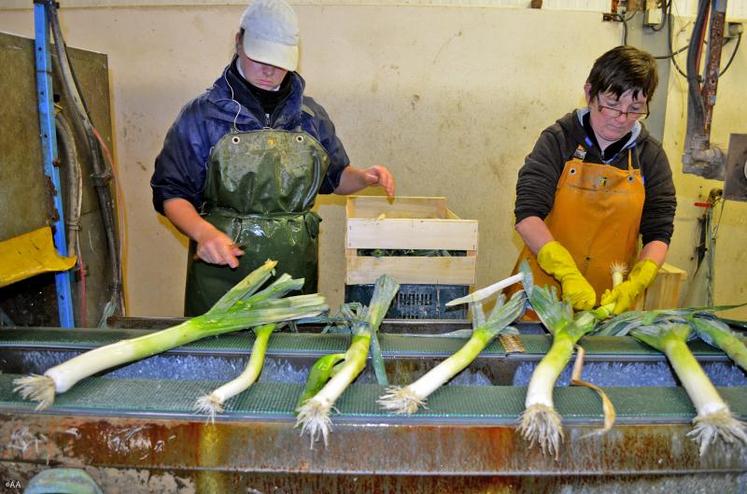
[(700, 157), (49, 155), (713, 61)]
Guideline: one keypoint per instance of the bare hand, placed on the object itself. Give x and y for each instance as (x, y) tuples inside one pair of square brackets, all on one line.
[(380, 175), (215, 247)]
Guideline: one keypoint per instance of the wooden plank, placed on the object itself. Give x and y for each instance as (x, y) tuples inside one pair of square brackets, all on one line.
[(664, 292), (411, 234), (363, 270), (418, 223), (373, 207)]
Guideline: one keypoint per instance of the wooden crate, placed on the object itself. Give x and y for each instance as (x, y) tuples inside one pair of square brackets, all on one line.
[(664, 292), (420, 223)]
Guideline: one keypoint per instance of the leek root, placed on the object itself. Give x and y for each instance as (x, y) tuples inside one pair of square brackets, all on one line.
[(212, 403), (714, 421), (540, 423)]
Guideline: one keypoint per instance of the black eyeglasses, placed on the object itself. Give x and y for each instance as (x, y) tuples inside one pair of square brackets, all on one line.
[(615, 113)]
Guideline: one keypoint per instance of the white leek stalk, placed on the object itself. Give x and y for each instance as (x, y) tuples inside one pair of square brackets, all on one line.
[(483, 293), (407, 399), (617, 270), (314, 414), (540, 423), (714, 421), (323, 369), (212, 403), (238, 309)]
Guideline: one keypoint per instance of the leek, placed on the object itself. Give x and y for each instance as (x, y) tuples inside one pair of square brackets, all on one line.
[(617, 270), (212, 403), (714, 421), (323, 369), (540, 423), (407, 399), (718, 334), (314, 414), (239, 308), (483, 293), (622, 324)]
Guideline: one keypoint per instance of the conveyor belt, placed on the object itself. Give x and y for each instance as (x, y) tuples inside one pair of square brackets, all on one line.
[(124, 392), (487, 405), (393, 345), (136, 422)]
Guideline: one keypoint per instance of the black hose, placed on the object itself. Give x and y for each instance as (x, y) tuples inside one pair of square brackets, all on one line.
[(102, 174), (733, 54)]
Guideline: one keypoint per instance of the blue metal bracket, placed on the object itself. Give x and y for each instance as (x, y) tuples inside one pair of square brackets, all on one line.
[(49, 153)]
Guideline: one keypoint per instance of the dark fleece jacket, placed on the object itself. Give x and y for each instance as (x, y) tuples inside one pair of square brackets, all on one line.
[(538, 178)]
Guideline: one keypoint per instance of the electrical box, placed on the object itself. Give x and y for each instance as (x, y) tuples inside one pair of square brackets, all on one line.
[(653, 14), (735, 175)]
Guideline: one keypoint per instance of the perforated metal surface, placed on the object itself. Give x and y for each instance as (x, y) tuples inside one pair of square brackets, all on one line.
[(452, 404)]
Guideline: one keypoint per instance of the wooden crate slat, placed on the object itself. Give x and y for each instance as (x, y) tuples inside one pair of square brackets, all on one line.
[(411, 234), (402, 207), (362, 270), (408, 223)]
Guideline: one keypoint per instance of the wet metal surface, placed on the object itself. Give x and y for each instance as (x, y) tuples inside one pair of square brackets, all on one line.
[(354, 449), (128, 480), (455, 446)]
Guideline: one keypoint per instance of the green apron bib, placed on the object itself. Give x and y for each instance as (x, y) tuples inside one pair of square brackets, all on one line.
[(259, 190)]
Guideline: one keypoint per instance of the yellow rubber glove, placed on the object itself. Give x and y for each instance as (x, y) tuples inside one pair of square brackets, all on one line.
[(625, 294), (557, 261)]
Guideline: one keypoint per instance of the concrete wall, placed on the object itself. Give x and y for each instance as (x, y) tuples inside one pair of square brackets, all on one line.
[(451, 99)]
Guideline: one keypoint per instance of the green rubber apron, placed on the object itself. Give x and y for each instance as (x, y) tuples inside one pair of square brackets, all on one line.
[(259, 190)]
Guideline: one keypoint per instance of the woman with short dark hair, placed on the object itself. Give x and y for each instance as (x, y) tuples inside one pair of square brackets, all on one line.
[(596, 181)]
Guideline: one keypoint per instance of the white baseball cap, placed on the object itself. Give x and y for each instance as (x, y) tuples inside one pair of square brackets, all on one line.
[(271, 33)]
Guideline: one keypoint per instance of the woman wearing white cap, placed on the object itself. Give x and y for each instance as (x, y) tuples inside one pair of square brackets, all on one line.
[(242, 165)]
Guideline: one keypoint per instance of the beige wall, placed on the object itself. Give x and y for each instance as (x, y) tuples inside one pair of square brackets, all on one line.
[(451, 99)]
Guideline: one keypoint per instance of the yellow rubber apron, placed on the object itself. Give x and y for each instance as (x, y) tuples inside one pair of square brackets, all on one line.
[(260, 188), (597, 217)]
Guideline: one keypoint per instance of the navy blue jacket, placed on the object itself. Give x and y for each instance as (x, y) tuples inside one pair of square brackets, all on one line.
[(182, 163)]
